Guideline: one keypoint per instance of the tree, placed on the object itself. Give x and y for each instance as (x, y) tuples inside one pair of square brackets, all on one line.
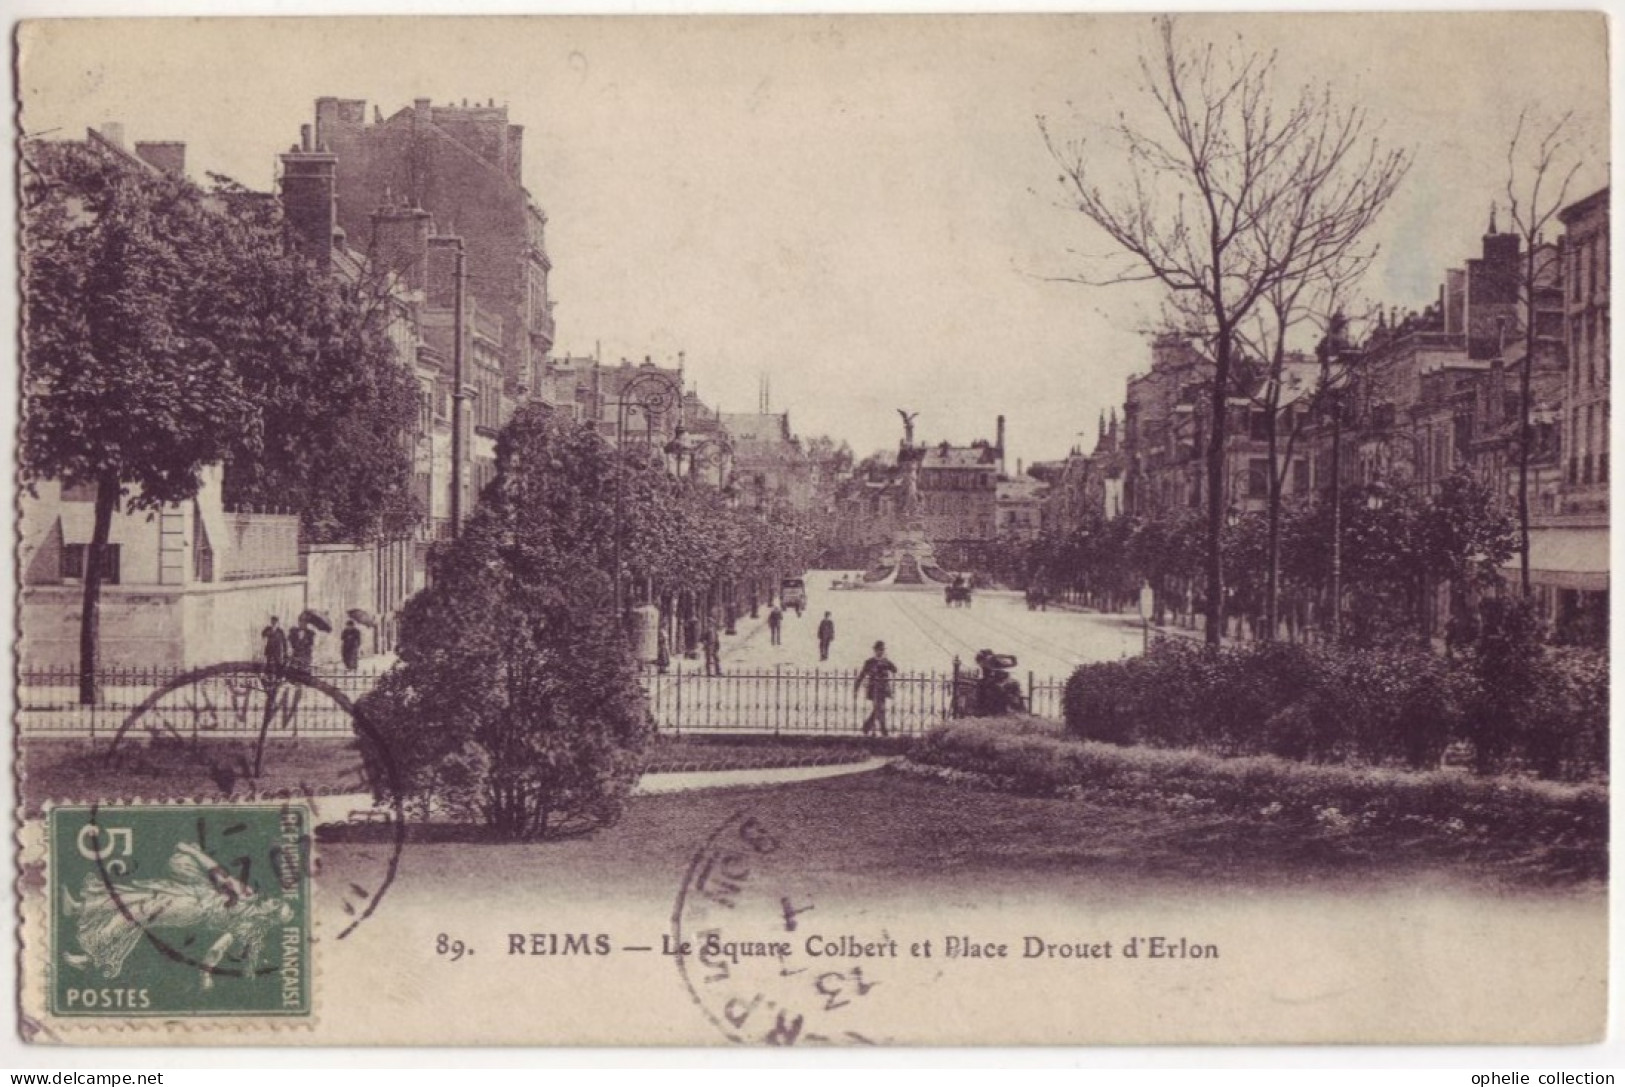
[(1233, 189), (1537, 189), (127, 386), (516, 701), (334, 402), (169, 328)]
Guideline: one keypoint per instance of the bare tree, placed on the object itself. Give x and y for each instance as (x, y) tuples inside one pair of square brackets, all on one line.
[(1537, 188), (1233, 189), (1290, 304)]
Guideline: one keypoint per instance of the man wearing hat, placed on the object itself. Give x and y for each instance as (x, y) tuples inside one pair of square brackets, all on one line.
[(875, 679)]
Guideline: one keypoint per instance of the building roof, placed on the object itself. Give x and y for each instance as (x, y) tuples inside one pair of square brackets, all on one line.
[(944, 455), (755, 427)]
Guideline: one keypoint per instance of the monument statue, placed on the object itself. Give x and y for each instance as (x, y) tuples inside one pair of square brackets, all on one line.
[(908, 425)]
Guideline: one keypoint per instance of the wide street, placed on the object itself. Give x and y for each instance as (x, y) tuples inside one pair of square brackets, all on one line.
[(922, 633)]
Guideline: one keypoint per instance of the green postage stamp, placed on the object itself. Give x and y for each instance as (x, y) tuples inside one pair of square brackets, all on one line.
[(180, 910)]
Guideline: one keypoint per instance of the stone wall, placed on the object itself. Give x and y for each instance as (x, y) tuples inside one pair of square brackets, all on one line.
[(157, 626)]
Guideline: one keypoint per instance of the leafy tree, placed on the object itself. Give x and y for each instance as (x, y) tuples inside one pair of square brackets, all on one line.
[(334, 402), (516, 701), (127, 386), (169, 328)]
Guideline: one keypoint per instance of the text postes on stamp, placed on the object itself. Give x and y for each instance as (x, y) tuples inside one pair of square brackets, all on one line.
[(180, 910)]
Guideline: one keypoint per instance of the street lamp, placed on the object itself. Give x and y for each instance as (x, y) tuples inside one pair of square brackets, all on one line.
[(653, 394), (724, 449)]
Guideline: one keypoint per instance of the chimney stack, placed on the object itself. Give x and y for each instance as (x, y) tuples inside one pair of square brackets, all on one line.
[(309, 202), (1001, 444), (400, 243)]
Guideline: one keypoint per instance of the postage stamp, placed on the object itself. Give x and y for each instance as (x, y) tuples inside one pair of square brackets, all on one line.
[(163, 910)]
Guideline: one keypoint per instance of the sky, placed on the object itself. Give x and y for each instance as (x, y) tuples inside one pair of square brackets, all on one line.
[(860, 209)]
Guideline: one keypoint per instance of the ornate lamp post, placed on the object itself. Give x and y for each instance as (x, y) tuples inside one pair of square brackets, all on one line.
[(652, 394), (724, 449)]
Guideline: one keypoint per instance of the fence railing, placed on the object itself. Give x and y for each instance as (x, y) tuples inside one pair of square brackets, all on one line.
[(792, 701), (227, 704), (801, 701), (220, 704)]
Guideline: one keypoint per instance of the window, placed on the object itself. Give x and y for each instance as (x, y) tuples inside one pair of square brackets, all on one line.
[(73, 563), (1258, 478), (1591, 345)]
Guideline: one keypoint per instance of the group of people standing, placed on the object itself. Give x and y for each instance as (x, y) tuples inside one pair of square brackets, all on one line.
[(295, 649)]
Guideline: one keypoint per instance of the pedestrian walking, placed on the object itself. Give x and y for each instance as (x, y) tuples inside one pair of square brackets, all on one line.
[(775, 623), (276, 643), (826, 635), (874, 678), (301, 647), (350, 645), (713, 651)]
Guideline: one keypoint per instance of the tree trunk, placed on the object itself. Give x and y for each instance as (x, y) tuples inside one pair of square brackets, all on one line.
[(1272, 558), (1337, 520), (90, 614), (1524, 428), (1215, 489)]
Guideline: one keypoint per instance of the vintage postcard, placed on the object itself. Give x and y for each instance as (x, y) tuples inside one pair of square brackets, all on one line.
[(813, 531)]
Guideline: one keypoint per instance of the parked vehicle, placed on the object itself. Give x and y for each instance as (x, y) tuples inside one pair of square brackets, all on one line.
[(991, 693), (793, 594)]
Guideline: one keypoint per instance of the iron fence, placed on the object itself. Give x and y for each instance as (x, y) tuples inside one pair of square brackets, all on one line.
[(223, 703), (792, 701), (815, 701), (202, 703)]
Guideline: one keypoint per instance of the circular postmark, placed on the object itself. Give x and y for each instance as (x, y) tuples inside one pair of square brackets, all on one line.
[(750, 955), (276, 733)]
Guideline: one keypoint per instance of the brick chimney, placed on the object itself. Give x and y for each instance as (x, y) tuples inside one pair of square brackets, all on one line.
[(400, 243), (168, 156), (309, 200)]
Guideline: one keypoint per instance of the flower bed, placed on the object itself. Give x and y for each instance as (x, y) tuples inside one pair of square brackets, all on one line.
[(1558, 827)]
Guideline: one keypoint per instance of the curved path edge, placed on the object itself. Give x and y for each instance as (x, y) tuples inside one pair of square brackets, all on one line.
[(686, 780)]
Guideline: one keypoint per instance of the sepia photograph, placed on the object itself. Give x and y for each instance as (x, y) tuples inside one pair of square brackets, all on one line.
[(815, 531)]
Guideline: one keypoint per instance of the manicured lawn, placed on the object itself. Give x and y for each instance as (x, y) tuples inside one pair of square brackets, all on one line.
[(876, 834), (688, 754), (73, 770)]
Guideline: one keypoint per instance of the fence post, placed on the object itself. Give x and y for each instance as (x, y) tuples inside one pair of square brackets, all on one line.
[(778, 688), (677, 710), (953, 690), (1030, 692)]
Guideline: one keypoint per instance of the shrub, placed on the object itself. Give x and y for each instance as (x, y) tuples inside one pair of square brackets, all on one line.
[(516, 701), (1374, 704)]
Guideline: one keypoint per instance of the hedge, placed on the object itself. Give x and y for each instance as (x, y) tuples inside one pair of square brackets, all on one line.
[(1376, 706)]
